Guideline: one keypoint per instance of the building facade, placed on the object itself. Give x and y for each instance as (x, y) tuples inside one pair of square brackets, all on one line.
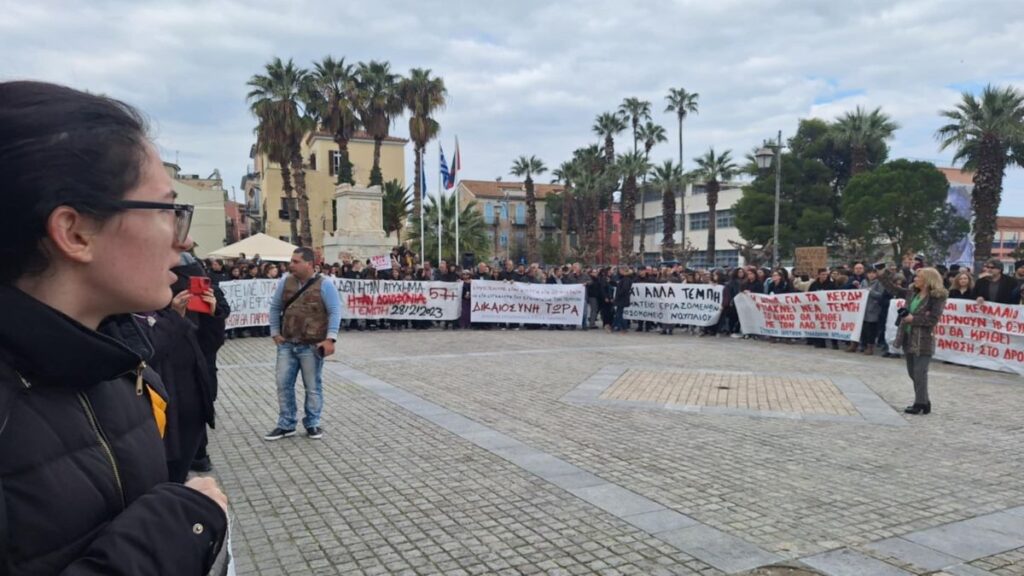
[(1009, 236), (321, 159), (503, 207), (650, 225), (208, 196)]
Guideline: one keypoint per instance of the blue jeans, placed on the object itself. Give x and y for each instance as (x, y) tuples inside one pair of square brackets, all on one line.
[(291, 358), (620, 323)]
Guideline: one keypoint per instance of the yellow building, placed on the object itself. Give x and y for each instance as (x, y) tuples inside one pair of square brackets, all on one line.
[(208, 196), (320, 155)]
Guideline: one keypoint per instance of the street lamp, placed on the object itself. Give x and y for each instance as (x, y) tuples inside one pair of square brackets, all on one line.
[(764, 158)]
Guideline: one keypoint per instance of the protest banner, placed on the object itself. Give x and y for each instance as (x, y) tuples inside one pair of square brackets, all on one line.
[(520, 303), (692, 304), (984, 335), (381, 262), (808, 260), (398, 300), (249, 301), (834, 314)]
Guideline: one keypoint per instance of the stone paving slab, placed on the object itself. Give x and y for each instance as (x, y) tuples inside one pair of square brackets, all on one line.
[(848, 562), (389, 491), (916, 554), (719, 549)]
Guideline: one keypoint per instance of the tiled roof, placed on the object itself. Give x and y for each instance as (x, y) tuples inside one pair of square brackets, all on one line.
[(495, 189), (358, 135), (1010, 222), (957, 176)]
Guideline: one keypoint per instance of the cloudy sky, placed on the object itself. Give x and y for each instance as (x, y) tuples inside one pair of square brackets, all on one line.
[(528, 77)]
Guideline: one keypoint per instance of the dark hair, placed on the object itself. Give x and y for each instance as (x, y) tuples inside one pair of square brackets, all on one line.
[(306, 253), (60, 147)]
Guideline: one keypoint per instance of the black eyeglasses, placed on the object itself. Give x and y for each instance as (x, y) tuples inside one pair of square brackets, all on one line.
[(182, 214)]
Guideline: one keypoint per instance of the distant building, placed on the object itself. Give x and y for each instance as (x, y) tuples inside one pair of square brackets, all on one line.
[(236, 222), (1009, 235), (649, 219), (208, 196), (321, 159), (503, 207)]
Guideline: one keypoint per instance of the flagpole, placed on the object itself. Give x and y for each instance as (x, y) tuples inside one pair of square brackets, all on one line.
[(458, 205), (440, 204), (423, 200)]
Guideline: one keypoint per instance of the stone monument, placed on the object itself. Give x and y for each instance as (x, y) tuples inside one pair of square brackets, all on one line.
[(359, 216)]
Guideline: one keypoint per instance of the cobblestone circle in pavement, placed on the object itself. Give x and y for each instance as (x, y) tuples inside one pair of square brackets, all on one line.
[(415, 474)]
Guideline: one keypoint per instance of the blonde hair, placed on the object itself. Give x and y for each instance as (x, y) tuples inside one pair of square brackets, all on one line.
[(933, 283), (970, 280)]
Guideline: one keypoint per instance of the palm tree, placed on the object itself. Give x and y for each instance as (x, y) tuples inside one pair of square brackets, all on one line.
[(713, 170), (422, 96), (566, 174), (379, 103), (275, 99), (472, 229), (589, 184), (668, 177), (859, 130), (988, 135), (635, 110), (630, 166), (395, 208), (683, 103), (528, 168), (608, 125), (650, 134), (332, 97)]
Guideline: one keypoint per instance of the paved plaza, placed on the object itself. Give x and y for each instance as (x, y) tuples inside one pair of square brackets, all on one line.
[(581, 452)]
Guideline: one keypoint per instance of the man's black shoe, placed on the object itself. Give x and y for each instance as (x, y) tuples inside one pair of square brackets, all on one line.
[(315, 433), (278, 433), (201, 465)]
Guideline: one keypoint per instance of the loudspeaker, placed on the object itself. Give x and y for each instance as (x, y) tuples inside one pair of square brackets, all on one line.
[(468, 260)]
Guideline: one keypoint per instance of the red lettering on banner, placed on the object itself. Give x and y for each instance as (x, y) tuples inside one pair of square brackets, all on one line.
[(403, 298), (1011, 354), (846, 296), (812, 297), (844, 306), (989, 336), (954, 346)]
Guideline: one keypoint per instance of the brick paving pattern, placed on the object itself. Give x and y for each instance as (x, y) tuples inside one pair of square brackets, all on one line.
[(387, 491), (731, 390)]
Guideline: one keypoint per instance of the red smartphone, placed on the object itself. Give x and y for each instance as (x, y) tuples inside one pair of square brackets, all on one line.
[(197, 286)]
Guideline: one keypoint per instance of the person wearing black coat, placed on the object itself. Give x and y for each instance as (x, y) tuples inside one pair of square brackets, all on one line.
[(623, 290), (186, 345), (996, 287), (88, 234)]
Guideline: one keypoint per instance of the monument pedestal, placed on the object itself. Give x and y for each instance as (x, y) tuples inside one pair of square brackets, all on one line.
[(359, 216)]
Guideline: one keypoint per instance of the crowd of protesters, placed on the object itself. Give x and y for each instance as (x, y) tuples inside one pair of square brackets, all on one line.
[(608, 290)]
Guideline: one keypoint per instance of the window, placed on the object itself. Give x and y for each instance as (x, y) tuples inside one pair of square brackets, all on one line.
[(520, 213), (699, 189), (312, 161), (679, 222), (699, 221), (658, 226), (333, 162), (725, 219), (488, 214), (730, 258), (504, 239)]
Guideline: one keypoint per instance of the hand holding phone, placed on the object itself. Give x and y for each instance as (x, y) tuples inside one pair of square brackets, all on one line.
[(198, 286)]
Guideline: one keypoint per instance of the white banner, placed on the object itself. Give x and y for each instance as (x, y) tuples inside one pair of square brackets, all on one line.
[(398, 300), (521, 303), (834, 314), (693, 304), (250, 302), (984, 335)]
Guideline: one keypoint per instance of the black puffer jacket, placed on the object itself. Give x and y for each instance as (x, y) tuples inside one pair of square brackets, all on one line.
[(83, 486)]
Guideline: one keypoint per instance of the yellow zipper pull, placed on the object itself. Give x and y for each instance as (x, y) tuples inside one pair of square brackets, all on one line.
[(138, 378)]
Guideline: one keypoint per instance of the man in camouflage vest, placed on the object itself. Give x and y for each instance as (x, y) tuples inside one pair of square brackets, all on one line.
[(305, 314)]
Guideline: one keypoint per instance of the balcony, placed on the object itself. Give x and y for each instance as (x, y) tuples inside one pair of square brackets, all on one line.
[(283, 215)]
